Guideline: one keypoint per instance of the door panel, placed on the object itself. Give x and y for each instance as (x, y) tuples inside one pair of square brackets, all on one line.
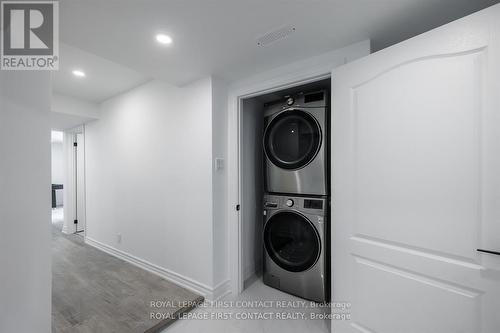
[(407, 138), (416, 183), (80, 182), (435, 306)]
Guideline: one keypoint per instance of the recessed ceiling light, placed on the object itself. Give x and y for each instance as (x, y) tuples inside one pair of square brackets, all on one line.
[(164, 39), (79, 73)]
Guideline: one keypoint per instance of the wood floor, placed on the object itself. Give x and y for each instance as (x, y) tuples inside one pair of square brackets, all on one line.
[(93, 292)]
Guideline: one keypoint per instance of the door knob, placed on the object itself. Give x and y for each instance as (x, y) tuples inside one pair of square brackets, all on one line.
[(489, 252)]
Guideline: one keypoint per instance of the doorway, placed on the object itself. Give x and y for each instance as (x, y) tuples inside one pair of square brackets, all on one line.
[(251, 147), (68, 180), (57, 177)]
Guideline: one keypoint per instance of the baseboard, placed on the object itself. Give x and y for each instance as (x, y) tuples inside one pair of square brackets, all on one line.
[(248, 282), (221, 290), (251, 270), (65, 230), (210, 294), (248, 272)]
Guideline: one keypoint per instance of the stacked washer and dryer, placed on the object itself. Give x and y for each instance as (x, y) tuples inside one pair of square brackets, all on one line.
[(296, 202)]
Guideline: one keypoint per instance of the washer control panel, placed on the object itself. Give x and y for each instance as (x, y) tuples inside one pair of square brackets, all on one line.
[(305, 204), (313, 204)]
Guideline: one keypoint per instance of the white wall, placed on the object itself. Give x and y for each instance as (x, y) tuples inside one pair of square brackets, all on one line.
[(219, 150), (25, 273), (57, 163), (317, 65), (74, 106), (69, 112), (149, 178), (252, 188)]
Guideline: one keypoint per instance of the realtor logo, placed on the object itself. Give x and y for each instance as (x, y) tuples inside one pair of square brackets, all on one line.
[(30, 35)]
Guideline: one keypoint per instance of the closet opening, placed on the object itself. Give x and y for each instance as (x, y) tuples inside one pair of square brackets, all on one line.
[(297, 139)]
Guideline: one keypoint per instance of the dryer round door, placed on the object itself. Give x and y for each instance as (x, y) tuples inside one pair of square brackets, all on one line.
[(292, 241), (292, 139)]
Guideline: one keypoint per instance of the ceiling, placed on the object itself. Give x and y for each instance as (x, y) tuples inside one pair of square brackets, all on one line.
[(218, 37), (103, 79), (62, 121)]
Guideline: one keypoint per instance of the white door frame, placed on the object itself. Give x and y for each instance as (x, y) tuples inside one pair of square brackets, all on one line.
[(69, 185), (234, 190), (303, 72)]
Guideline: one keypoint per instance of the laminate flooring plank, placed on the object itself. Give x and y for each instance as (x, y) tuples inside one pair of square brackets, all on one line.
[(94, 292)]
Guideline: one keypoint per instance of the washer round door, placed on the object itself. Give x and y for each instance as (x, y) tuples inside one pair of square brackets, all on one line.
[(292, 139), (292, 241)]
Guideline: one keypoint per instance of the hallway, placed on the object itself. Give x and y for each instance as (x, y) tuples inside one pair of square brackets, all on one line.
[(95, 292)]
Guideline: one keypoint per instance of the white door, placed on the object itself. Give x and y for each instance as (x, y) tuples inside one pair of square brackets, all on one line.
[(80, 182), (416, 183)]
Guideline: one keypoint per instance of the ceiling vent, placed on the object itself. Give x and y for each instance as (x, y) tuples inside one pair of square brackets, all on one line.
[(275, 35)]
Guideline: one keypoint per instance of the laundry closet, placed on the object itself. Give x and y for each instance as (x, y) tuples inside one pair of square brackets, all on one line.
[(285, 189)]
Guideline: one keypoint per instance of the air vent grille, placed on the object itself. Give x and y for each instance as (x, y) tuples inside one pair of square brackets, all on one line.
[(275, 35)]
